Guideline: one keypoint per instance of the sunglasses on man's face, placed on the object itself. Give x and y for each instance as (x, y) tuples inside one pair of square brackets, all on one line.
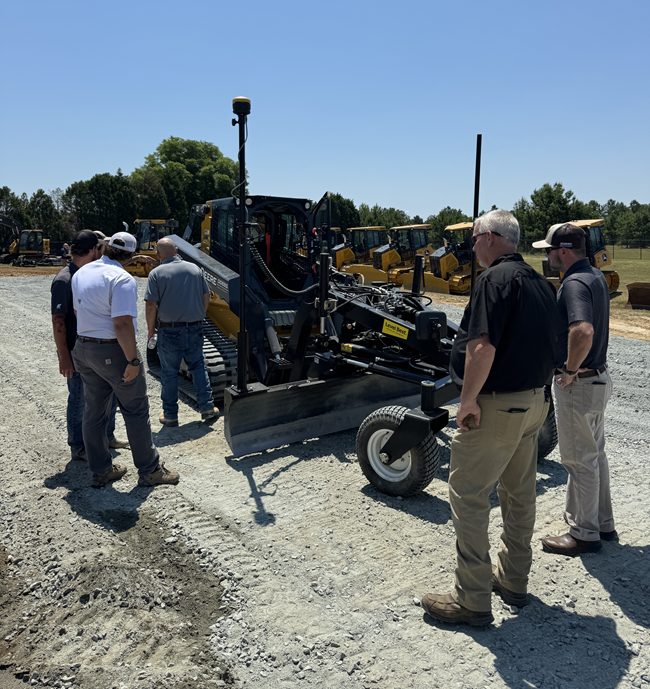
[(480, 234)]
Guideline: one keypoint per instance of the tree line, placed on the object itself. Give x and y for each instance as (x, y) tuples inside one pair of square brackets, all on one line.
[(183, 172)]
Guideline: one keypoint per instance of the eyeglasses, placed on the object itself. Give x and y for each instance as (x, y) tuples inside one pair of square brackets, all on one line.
[(480, 234), (552, 248)]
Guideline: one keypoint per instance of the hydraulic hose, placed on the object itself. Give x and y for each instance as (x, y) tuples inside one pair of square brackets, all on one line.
[(276, 283)]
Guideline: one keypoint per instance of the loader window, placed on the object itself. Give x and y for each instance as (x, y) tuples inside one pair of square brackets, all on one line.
[(225, 230)]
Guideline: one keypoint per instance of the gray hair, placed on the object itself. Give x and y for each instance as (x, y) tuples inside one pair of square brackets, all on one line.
[(500, 222)]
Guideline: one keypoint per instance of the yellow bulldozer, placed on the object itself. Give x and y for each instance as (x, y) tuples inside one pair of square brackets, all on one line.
[(359, 246), (596, 253), (450, 266), (147, 233), (393, 261)]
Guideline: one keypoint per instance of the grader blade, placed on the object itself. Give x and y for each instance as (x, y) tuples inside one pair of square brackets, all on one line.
[(268, 417)]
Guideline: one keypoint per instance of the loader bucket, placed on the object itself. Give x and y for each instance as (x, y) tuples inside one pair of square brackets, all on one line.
[(269, 417), (638, 295)]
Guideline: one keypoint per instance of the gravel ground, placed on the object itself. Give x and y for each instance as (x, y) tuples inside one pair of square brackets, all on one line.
[(285, 569)]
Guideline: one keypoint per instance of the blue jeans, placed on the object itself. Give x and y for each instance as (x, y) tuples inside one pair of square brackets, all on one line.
[(175, 344), (75, 413)]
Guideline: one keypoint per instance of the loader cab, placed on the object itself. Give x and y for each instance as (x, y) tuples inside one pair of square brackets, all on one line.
[(32, 243), (458, 239), (364, 240), (148, 232), (281, 232)]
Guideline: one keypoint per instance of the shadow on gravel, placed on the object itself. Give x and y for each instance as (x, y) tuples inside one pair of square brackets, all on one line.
[(623, 571), (181, 434), (110, 508), (550, 646), (424, 506)]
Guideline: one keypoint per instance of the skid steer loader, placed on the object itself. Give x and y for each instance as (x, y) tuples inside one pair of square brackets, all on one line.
[(296, 349)]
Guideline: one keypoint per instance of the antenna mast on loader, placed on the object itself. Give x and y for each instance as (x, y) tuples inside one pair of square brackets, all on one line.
[(241, 106)]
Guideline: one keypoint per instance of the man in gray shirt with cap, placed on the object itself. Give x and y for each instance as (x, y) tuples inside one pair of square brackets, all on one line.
[(177, 299), (581, 390)]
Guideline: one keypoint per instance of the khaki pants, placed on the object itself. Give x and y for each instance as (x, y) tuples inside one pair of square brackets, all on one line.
[(504, 450), (580, 413)]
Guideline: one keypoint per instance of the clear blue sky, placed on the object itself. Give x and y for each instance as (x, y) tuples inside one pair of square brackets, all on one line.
[(380, 102)]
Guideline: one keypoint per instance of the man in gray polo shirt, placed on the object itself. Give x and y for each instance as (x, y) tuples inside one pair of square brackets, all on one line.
[(581, 390), (177, 298)]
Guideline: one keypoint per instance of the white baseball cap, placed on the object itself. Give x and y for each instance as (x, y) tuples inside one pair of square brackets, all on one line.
[(124, 241)]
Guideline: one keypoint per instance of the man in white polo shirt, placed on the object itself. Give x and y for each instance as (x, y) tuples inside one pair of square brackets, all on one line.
[(106, 356)]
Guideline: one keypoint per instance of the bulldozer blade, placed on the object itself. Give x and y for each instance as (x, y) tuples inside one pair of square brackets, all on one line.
[(269, 417)]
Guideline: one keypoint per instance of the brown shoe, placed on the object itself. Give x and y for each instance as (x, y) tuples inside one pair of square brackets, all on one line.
[(115, 473), (165, 421), (116, 444), (160, 477), (568, 545), (443, 608), (507, 596)]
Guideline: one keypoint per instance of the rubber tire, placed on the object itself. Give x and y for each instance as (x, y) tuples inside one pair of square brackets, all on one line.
[(417, 471), (547, 439)]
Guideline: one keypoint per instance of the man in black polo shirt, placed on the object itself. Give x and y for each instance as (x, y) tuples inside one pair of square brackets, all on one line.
[(503, 357), (581, 390)]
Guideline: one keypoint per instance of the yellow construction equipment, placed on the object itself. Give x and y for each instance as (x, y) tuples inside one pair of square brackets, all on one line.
[(450, 266), (147, 233), (392, 262), (359, 245)]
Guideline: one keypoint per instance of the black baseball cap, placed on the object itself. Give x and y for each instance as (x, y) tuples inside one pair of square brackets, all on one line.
[(83, 241), (563, 236)]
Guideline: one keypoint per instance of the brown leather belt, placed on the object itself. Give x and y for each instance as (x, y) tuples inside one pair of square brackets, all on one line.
[(96, 340), (177, 324), (591, 372)]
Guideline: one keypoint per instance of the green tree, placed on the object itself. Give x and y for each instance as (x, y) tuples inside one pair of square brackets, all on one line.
[(150, 196), (190, 172), (44, 215), (101, 203), (446, 216), (344, 212), (377, 215), (15, 207)]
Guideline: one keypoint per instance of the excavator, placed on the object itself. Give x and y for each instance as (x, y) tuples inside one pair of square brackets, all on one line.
[(596, 253), (31, 248)]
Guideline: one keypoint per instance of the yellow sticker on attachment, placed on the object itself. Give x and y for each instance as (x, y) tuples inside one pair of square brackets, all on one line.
[(394, 329)]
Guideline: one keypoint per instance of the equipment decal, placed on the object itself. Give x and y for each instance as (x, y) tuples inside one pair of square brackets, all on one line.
[(390, 328)]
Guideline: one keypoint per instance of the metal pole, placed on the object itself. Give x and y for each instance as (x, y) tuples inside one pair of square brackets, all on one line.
[(241, 106), (477, 184)]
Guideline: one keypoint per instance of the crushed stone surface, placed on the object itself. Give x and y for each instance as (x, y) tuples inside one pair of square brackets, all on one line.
[(285, 568)]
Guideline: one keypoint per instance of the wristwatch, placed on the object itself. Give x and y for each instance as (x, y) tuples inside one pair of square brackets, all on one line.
[(134, 362)]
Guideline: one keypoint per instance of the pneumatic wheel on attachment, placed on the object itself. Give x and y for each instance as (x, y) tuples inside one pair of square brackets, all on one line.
[(409, 474)]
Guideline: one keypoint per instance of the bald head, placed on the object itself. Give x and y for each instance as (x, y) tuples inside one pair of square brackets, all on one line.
[(166, 248)]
